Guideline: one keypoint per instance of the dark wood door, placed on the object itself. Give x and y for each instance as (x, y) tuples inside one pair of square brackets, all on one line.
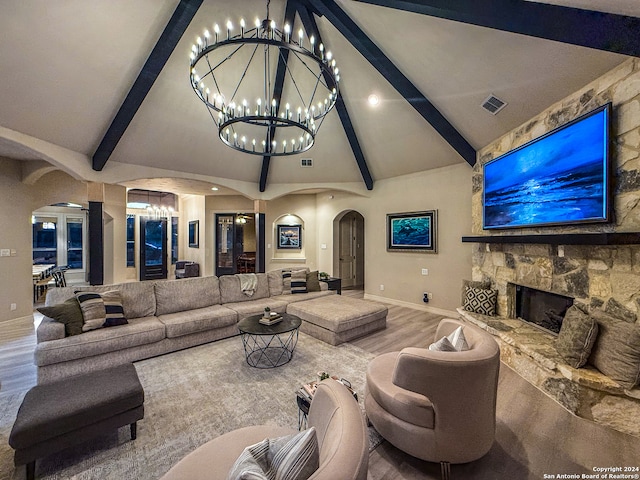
[(153, 248)]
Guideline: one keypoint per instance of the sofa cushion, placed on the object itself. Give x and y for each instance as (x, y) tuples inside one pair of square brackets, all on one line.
[(304, 296), (138, 298), (246, 309), (299, 282), (616, 352), (197, 320), (68, 313), (274, 278), (186, 294), (230, 289), (576, 337), (139, 331)]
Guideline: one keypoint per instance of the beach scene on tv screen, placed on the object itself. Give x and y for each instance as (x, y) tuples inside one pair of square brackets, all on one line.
[(560, 178)]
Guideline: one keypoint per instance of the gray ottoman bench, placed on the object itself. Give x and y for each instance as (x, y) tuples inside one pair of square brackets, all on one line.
[(336, 319), (58, 415)]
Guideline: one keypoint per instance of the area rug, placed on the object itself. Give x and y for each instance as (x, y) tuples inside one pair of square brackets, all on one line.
[(191, 397)]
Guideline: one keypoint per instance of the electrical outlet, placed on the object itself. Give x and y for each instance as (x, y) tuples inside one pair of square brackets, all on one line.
[(13, 306), (561, 251), (425, 271), (430, 295), (381, 287)]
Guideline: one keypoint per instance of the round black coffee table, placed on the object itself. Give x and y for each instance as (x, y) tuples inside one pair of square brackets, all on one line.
[(269, 346)]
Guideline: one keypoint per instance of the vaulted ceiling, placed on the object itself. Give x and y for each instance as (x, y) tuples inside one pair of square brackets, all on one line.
[(101, 89)]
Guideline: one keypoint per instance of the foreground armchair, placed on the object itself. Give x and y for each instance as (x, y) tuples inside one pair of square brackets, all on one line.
[(434, 405), (341, 434)]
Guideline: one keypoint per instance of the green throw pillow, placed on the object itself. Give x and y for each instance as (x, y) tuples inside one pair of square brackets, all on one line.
[(68, 313), (576, 337), (616, 352), (313, 284)]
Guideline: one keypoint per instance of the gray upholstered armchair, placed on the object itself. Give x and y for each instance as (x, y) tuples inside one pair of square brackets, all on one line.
[(437, 406)]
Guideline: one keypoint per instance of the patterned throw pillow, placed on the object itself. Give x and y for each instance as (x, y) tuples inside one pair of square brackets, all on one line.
[(94, 313), (577, 336), (299, 282), (67, 312), (101, 310), (454, 342), (113, 308), (286, 279), (293, 457), (480, 300)]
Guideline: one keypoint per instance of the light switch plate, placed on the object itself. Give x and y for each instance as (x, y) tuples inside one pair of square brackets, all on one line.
[(5, 252)]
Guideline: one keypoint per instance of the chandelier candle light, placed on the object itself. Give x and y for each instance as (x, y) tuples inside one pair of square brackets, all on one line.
[(234, 75)]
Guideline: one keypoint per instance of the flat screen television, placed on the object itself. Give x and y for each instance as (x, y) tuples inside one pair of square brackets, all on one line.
[(558, 179)]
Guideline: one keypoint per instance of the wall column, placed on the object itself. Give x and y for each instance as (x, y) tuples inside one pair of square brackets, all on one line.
[(260, 209), (95, 194)]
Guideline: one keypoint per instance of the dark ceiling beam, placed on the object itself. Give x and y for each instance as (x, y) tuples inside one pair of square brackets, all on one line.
[(586, 28), (283, 58), (163, 49), (311, 28), (369, 50)]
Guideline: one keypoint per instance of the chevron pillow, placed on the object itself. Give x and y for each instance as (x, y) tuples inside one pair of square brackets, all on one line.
[(480, 300)]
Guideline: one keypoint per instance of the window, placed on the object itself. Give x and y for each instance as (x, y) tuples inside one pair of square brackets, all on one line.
[(74, 243), (45, 240), (174, 239), (131, 240)]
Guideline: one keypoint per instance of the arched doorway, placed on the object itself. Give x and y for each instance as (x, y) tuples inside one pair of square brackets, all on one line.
[(349, 249)]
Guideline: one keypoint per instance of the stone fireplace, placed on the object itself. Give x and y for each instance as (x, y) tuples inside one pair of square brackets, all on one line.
[(541, 309), (604, 274)]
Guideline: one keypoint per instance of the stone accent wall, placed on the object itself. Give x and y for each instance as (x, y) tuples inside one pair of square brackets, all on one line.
[(606, 277)]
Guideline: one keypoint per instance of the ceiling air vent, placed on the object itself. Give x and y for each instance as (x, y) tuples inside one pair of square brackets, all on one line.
[(493, 104), (306, 162)]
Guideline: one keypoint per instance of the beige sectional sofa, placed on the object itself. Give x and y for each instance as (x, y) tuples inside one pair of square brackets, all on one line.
[(163, 316)]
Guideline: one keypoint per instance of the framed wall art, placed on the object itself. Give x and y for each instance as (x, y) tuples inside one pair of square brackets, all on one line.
[(289, 236), (412, 231)]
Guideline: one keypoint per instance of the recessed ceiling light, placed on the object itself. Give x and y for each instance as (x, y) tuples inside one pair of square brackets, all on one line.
[(373, 99), (215, 189)]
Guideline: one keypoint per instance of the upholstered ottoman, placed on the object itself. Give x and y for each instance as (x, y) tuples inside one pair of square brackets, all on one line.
[(336, 319), (57, 415)]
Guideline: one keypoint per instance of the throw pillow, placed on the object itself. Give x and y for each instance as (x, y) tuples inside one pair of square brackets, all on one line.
[(480, 300), (94, 313), (299, 282), (286, 281), (113, 309), (454, 342), (616, 352), (577, 336), (293, 457), (442, 345), (67, 312), (313, 284)]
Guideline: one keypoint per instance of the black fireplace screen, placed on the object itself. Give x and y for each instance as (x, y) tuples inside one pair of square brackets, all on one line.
[(544, 309)]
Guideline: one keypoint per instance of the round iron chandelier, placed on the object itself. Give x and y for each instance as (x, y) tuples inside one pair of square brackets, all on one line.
[(267, 90)]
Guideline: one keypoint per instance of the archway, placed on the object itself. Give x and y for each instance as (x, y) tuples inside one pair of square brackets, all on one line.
[(348, 249)]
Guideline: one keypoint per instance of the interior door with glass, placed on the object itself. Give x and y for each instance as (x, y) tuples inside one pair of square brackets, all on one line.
[(153, 248), (225, 244)]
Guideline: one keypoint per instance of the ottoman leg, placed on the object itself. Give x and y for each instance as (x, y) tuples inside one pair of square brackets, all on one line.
[(31, 470), (134, 430)]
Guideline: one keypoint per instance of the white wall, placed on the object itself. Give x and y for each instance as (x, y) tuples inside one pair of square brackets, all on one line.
[(447, 190)]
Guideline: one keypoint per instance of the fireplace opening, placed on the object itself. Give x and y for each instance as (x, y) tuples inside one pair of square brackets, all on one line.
[(542, 309)]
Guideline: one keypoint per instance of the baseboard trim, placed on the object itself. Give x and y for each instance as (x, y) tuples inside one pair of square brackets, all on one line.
[(415, 306)]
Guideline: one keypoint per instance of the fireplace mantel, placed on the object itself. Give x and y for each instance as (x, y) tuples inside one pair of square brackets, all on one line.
[(626, 238)]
